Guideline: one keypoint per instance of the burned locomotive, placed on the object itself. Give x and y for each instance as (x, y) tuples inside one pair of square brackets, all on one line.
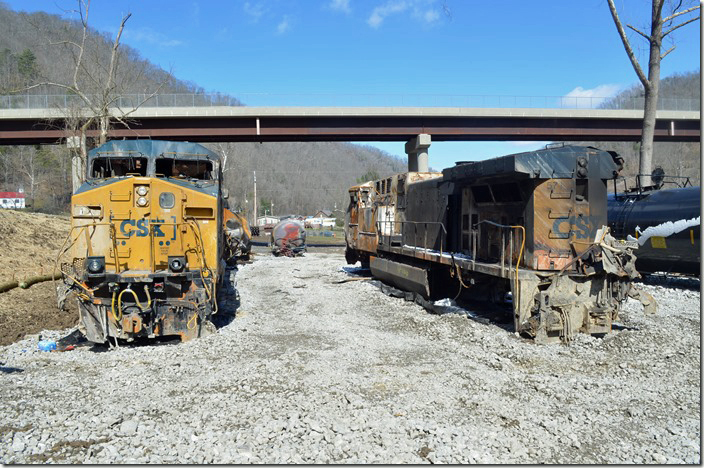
[(527, 229), (147, 245)]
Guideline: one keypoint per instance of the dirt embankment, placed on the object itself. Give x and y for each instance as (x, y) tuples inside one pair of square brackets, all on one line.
[(29, 244)]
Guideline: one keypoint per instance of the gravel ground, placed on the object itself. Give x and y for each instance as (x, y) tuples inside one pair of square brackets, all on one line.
[(317, 371)]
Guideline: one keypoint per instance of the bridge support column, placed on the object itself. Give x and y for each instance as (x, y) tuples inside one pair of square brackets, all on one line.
[(417, 151)]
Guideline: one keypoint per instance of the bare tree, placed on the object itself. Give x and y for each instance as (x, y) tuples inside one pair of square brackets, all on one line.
[(660, 28), (98, 89)]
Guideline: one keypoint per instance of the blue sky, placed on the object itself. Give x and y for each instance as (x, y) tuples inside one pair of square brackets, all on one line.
[(387, 48)]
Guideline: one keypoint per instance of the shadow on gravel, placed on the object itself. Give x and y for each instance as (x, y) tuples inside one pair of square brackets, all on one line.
[(482, 312), (137, 343), (671, 281), (357, 271), (621, 327), (10, 370)]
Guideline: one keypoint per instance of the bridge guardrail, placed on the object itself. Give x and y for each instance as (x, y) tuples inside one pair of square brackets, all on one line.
[(129, 101)]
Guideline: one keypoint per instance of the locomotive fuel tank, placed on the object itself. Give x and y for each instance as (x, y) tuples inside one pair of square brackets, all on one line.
[(666, 224)]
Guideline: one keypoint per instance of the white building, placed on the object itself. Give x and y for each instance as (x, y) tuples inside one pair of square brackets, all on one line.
[(318, 223), (263, 220), (12, 200)]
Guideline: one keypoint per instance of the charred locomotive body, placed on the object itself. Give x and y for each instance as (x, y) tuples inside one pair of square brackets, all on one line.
[(666, 224), (146, 241), (524, 229), (238, 237)]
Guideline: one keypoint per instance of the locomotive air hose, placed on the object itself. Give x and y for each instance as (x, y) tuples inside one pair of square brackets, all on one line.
[(192, 319), (149, 298), (119, 300), (112, 307)]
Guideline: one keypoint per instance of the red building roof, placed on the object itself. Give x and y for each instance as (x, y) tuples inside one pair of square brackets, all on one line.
[(12, 195)]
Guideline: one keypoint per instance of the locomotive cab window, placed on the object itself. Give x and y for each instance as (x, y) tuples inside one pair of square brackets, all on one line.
[(184, 168), (118, 167)]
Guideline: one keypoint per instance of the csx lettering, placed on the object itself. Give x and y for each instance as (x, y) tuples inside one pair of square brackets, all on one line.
[(580, 226), (140, 228)]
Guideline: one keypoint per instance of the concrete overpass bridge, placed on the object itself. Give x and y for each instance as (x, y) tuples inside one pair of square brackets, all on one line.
[(417, 126)]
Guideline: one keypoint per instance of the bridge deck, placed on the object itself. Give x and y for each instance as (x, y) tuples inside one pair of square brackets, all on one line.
[(240, 123)]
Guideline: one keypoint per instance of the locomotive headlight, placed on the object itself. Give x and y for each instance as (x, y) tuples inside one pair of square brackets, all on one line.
[(177, 264), (95, 264), (167, 200), (141, 201), (142, 190)]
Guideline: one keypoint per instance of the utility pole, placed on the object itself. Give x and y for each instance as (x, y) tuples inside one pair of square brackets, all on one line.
[(255, 198)]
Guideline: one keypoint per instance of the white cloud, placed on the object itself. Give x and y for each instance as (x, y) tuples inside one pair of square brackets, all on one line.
[(284, 25), (421, 10), (431, 16), (150, 36), (254, 10), (340, 5), (391, 7), (589, 98)]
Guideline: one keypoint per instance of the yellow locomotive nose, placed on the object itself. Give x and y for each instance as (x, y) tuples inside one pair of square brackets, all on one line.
[(147, 245)]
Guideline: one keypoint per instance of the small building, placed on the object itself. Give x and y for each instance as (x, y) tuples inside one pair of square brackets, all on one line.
[(320, 223), (12, 200), (267, 220), (323, 214)]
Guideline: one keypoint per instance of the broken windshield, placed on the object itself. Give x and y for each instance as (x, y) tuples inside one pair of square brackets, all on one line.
[(104, 167), (200, 169)]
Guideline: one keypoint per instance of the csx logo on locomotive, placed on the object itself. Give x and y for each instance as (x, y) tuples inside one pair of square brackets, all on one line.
[(583, 227), (140, 227)]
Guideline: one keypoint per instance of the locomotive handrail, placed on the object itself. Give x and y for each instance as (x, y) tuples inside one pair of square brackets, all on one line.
[(199, 241), (639, 189), (503, 247)]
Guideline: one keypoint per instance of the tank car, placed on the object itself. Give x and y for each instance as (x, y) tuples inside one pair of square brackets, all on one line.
[(288, 237), (146, 244), (666, 225), (526, 230)]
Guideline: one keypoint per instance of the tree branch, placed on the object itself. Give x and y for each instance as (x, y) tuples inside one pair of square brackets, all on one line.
[(679, 26), (647, 38), (113, 56), (629, 51), (161, 85), (84, 21), (667, 52), (683, 12)]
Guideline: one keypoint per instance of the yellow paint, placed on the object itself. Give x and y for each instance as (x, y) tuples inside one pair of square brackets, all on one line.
[(691, 235), (145, 236), (658, 242)]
